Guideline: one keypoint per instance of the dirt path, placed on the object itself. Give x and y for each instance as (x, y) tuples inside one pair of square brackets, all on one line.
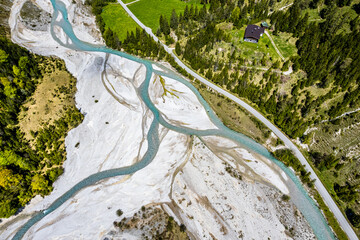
[(272, 42), (342, 115), (132, 2), (281, 9)]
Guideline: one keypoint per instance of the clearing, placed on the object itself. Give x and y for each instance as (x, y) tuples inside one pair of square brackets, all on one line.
[(118, 20), (253, 51), (149, 11), (128, 1), (285, 43), (53, 95)]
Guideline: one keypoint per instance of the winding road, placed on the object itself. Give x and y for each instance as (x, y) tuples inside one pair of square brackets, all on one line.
[(287, 141)]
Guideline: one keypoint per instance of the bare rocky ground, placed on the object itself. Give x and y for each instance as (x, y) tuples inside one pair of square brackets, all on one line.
[(295, 224), (217, 200), (5, 7), (34, 18)]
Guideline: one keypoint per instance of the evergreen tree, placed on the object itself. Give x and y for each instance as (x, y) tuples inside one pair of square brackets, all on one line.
[(174, 22), (178, 49), (203, 14), (209, 74), (235, 15), (164, 25), (186, 14), (161, 23)]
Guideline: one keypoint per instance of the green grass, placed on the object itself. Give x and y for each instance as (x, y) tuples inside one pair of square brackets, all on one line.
[(233, 115), (127, 1), (285, 43), (314, 14), (149, 11), (118, 20), (280, 4), (252, 50)]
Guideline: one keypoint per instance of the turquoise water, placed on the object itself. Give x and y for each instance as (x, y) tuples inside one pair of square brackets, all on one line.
[(298, 194)]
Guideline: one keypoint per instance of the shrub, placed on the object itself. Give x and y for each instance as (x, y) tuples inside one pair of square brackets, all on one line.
[(285, 197), (119, 212)]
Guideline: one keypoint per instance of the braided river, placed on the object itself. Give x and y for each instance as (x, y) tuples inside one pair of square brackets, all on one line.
[(298, 194)]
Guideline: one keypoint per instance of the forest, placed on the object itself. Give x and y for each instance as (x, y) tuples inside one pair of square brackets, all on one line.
[(23, 164)]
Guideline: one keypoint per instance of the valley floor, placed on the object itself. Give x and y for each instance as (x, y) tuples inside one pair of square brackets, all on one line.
[(215, 187)]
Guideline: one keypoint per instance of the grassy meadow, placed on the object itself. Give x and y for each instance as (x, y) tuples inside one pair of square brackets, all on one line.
[(118, 20), (253, 51), (149, 11), (127, 1), (285, 43), (52, 96)]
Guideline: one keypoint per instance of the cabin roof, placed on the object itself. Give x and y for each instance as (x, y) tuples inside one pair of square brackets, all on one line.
[(253, 31)]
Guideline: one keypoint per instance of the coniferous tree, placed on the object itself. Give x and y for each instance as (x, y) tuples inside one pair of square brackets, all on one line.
[(174, 22), (203, 14), (178, 48), (161, 23), (209, 74), (166, 27), (186, 14)]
